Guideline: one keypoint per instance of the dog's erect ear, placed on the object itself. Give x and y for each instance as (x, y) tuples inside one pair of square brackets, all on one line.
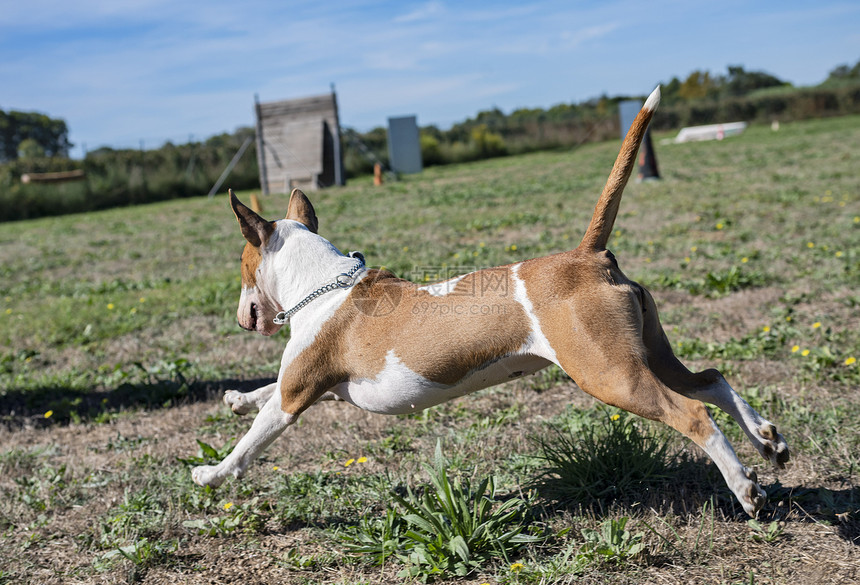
[(255, 229), (301, 210)]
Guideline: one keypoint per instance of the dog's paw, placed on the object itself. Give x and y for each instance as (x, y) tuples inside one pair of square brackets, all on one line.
[(772, 445), (206, 475), (238, 402), (753, 497)]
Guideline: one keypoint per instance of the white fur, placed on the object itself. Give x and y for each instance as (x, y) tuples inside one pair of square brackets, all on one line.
[(724, 397), (440, 289), (296, 262), (268, 425), (740, 480), (539, 345), (399, 390), (245, 402), (653, 100)]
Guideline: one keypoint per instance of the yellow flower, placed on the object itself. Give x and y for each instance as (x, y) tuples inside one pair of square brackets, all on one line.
[(513, 247), (8, 311), (349, 462), (110, 306), (693, 249), (616, 416), (850, 361), (481, 244), (810, 244), (228, 505), (687, 259), (816, 325), (405, 248), (766, 328), (517, 567), (839, 254), (275, 468), (804, 353), (142, 299), (719, 226), (361, 459), (788, 319), (49, 414), (795, 348), (744, 260)]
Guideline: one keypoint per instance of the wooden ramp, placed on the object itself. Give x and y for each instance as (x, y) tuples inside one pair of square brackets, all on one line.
[(300, 141)]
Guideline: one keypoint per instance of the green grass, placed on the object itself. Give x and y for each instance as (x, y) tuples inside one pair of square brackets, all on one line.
[(118, 333)]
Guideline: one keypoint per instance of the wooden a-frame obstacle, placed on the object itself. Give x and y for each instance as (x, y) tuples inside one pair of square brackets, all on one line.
[(298, 144)]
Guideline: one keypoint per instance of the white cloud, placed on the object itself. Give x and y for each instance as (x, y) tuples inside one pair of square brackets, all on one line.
[(423, 12)]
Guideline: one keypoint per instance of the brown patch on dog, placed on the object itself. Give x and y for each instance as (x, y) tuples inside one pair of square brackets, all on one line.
[(251, 259), (441, 338)]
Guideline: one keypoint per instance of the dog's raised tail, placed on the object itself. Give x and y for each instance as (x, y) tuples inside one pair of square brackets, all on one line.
[(600, 228)]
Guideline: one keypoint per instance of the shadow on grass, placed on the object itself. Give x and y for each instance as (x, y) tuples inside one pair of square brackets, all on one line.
[(839, 509), (696, 484), (615, 464), (51, 405)]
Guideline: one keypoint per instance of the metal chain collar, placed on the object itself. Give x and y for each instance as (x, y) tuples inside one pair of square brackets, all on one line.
[(343, 280)]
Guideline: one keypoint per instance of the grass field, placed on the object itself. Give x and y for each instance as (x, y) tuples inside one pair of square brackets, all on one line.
[(118, 335)]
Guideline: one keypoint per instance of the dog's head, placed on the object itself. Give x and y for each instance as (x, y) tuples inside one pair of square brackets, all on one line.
[(258, 303)]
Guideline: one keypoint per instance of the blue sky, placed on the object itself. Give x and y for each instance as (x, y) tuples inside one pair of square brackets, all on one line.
[(156, 70)]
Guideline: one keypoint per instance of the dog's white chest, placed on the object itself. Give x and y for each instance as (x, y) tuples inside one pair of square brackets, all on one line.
[(399, 390)]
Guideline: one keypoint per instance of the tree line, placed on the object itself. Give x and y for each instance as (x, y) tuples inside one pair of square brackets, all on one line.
[(33, 142)]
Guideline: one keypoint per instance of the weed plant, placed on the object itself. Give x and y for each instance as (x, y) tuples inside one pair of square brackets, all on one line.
[(449, 528), (599, 457)]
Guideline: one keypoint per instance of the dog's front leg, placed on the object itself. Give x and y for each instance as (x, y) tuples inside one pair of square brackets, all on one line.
[(268, 425), (244, 402)]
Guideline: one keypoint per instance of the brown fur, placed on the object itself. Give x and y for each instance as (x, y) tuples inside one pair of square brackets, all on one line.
[(251, 258), (440, 338)]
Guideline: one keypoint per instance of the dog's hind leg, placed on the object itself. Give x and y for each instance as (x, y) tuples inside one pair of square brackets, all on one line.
[(635, 388), (244, 402), (709, 386)]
